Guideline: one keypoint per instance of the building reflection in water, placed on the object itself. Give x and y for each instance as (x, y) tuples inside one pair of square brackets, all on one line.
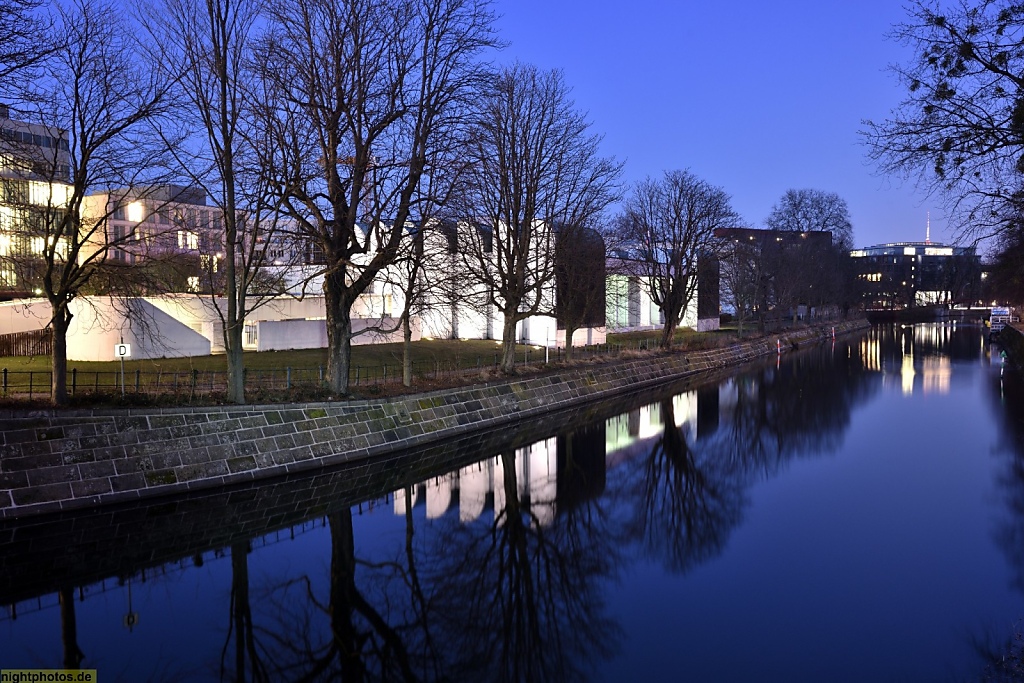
[(920, 358), (480, 487), (493, 540)]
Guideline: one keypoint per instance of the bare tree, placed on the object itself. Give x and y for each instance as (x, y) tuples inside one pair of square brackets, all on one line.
[(209, 42), (813, 211), (959, 127), (422, 290), (361, 88), (425, 273), (22, 46), (669, 224), (580, 276), (742, 282), (532, 165), (97, 102), (816, 273)]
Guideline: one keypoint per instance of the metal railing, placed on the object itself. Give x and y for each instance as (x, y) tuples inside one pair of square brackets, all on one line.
[(185, 384)]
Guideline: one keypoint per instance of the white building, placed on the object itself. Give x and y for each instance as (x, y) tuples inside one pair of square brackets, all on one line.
[(459, 306)]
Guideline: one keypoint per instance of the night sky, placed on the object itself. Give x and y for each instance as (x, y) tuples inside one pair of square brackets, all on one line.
[(756, 98)]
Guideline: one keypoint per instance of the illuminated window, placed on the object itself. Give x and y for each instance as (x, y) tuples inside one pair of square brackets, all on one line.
[(188, 240), (136, 212)]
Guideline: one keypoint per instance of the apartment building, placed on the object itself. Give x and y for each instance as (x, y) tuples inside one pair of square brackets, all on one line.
[(169, 224), (35, 162)]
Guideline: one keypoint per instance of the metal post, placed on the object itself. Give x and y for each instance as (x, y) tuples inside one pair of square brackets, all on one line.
[(122, 371)]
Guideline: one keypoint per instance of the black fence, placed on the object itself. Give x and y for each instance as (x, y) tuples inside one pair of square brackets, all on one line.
[(34, 343), (186, 384)]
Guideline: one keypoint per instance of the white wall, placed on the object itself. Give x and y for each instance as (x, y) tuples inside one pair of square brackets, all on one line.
[(281, 335), (24, 316), (152, 333)]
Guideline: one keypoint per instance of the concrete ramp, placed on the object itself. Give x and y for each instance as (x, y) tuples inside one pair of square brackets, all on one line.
[(98, 326)]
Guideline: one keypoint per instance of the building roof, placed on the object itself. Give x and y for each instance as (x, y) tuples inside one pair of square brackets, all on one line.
[(913, 249)]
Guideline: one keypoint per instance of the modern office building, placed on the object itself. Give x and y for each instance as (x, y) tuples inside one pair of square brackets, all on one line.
[(905, 275)]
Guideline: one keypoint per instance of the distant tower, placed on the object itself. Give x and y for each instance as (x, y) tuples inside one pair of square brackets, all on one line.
[(928, 228)]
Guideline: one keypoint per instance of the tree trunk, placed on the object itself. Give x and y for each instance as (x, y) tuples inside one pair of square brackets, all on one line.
[(240, 608), (235, 286), (406, 350), (60, 322), (666, 336), (235, 361), (233, 323), (69, 629), (339, 333), (569, 333), (508, 345), (342, 597), (669, 330)]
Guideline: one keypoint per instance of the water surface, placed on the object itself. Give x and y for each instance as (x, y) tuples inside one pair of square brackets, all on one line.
[(851, 512)]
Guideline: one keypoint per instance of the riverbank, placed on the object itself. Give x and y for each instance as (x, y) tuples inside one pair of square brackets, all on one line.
[(63, 460), (1012, 340)]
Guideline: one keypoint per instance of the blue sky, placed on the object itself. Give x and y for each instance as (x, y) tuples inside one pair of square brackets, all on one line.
[(756, 98)]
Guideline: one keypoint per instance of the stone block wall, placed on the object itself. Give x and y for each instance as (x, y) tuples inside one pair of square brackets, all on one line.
[(1011, 338), (62, 460)]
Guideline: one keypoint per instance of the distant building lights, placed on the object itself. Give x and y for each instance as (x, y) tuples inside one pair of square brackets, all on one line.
[(136, 212)]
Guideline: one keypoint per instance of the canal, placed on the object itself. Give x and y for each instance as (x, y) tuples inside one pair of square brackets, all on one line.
[(850, 512)]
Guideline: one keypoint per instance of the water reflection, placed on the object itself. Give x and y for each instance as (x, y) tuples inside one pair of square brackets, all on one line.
[(501, 568)]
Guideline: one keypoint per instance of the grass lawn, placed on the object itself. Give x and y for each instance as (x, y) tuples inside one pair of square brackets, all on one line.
[(464, 353), (376, 369), (468, 353), (447, 352)]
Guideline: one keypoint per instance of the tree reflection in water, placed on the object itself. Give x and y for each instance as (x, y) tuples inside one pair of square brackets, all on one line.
[(520, 595), (73, 656), (688, 491), (686, 502), (241, 630), (518, 600), (341, 636)]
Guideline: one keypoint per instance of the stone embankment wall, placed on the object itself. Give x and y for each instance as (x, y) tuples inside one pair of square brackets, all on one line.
[(1012, 340), (60, 460)]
